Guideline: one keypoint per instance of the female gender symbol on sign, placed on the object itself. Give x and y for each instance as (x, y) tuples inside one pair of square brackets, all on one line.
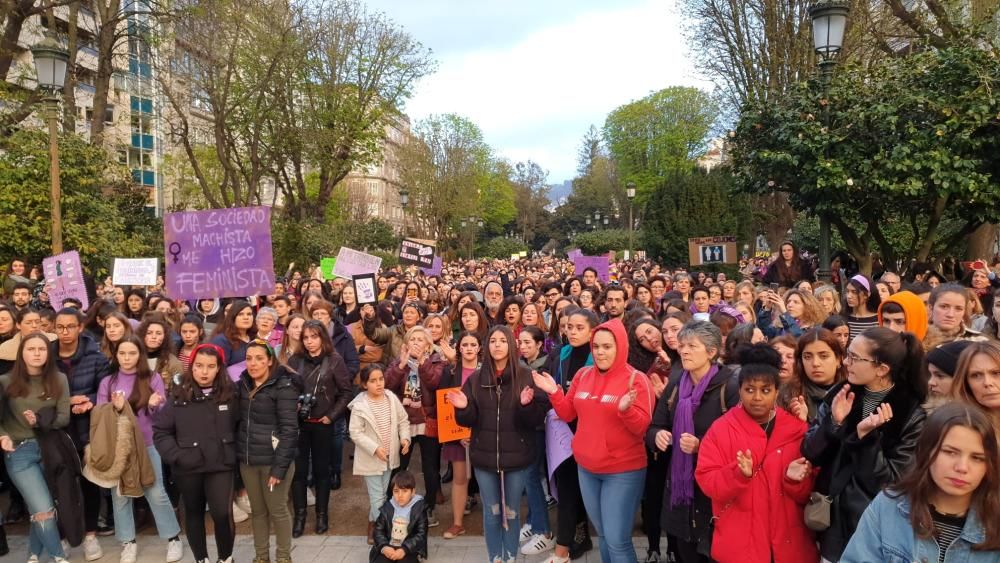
[(175, 251)]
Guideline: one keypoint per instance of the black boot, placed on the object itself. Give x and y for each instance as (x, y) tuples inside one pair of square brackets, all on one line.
[(335, 481), (299, 523), (322, 522), (4, 548)]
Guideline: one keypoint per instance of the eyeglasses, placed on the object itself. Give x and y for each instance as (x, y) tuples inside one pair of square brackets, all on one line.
[(66, 328), (553, 294), (851, 357)]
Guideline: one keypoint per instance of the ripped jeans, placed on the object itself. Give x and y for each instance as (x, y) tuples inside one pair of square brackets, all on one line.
[(502, 545), (24, 465)]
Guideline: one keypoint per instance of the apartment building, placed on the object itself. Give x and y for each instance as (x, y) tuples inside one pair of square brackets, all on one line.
[(373, 192)]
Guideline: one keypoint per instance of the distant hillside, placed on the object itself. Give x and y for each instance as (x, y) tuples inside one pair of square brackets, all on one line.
[(559, 192)]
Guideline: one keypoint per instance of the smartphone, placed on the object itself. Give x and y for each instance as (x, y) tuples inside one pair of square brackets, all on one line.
[(774, 287)]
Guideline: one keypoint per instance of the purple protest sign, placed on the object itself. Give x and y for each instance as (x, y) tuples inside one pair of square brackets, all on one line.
[(599, 263), (574, 254), (435, 269), (64, 279), (558, 446), (218, 253)]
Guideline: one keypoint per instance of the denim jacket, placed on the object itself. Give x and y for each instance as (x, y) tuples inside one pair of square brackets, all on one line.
[(885, 534)]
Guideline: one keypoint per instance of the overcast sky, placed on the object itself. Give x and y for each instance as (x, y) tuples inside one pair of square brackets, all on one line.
[(535, 74)]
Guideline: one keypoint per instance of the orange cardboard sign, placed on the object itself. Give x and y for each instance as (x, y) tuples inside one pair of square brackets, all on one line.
[(448, 428)]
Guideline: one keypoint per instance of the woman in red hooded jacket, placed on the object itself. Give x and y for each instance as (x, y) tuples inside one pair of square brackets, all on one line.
[(614, 405), (750, 466)]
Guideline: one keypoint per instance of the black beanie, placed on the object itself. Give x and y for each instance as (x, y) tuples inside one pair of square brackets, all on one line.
[(945, 356)]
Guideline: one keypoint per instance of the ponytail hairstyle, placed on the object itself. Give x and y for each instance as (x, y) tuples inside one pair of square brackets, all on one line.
[(904, 355), (918, 485), (141, 391)]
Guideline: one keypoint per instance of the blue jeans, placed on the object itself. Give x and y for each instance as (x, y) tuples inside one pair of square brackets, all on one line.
[(611, 500), (339, 435), (159, 504), (377, 486), (501, 544), (538, 510), (24, 466)]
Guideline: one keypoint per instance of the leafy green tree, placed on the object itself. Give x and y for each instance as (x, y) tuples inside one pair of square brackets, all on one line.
[(692, 204), (908, 145), (103, 212), (501, 247), (663, 133), (602, 241)]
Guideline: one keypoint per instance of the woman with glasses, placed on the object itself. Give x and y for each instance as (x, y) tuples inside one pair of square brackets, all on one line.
[(865, 432)]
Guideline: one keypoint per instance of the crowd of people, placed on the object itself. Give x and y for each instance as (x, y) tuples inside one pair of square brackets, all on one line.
[(776, 418)]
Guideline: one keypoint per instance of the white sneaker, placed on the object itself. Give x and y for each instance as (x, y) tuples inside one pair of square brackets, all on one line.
[(539, 543), (92, 548), (175, 551), (525, 534), (238, 514), (32, 558), (227, 560), (60, 560), (557, 559), (310, 498), (130, 552), (243, 501)]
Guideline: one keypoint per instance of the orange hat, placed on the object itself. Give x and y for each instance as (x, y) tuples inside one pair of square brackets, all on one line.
[(914, 310)]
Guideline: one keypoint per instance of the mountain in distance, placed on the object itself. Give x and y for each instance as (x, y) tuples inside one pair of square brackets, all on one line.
[(559, 192)]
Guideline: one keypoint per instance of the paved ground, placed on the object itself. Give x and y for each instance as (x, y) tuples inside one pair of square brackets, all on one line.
[(307, 549)]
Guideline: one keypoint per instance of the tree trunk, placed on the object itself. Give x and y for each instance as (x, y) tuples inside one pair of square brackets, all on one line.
[(982, 243), (11, 32), (107, 33), (69, 88)]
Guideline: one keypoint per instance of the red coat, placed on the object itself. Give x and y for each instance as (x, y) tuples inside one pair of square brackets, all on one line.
[(760, 515)]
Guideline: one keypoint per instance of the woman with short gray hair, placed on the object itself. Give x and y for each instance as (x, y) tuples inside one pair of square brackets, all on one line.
[(702, 393)]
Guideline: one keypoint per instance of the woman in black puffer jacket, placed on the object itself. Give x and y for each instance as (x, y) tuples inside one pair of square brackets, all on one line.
[(195, 434), (266, 445)]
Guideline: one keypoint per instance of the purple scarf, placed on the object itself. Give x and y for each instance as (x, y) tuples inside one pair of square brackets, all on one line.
[(682, 464)]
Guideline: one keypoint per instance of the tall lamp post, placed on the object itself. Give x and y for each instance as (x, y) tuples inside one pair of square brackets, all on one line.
[(829, 21), (630, 194), (597, 220), (404, 199), (50, 66)]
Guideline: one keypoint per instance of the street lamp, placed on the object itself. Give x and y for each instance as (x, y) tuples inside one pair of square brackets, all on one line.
[(50, 66), (829, 21), (605, 221), (630, 194), (404, 199)]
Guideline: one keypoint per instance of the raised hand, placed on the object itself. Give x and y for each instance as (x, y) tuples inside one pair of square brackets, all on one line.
[(799, 408), (842, 403), (744, 460), (458, 399), (544, 382), (626, 401), (527, 395), (882, 414), (798, 469), (663, 440), (659, 384)]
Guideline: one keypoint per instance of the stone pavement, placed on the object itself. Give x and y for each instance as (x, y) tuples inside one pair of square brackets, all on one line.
[(307, 549)]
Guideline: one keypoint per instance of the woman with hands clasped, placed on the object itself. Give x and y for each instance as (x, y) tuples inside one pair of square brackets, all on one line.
[(498, 403), (750, 466), (608, 444), (694, 399), (133, 381), (866, 431)]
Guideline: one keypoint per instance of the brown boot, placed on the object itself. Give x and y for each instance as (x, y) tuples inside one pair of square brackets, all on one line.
[(371, 533)]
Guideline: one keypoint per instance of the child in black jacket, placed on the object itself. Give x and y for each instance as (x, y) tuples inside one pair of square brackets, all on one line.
[(401, 528)]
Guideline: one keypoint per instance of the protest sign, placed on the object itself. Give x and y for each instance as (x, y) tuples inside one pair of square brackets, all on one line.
[(448, 428), (218, 253), (326, 266), (64, 279), (712, 250), (416, 252), (350, 263), (435, 269), (365, 289), (574, 254), (599, 263), (135, 271)]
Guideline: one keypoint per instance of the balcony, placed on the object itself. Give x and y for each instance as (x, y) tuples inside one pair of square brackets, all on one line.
[(140, 141), (86, 57)]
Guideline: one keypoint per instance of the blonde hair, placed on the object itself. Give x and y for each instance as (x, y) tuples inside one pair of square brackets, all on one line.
[(812, 312), (960, 386), (817, 291)]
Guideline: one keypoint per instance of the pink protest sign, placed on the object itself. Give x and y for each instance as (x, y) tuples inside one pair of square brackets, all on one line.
[(218, 253), (64, 278)]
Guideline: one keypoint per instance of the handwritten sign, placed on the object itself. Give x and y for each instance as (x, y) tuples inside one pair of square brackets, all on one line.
[(417, 253), (64, 278), (351, 262), (558, 445), (365, 289), (218, 253), (448, 428), (435, 269), (599, 263), (135, 271)]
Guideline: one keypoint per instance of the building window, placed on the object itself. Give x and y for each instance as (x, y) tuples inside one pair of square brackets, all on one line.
[(109, 113)]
